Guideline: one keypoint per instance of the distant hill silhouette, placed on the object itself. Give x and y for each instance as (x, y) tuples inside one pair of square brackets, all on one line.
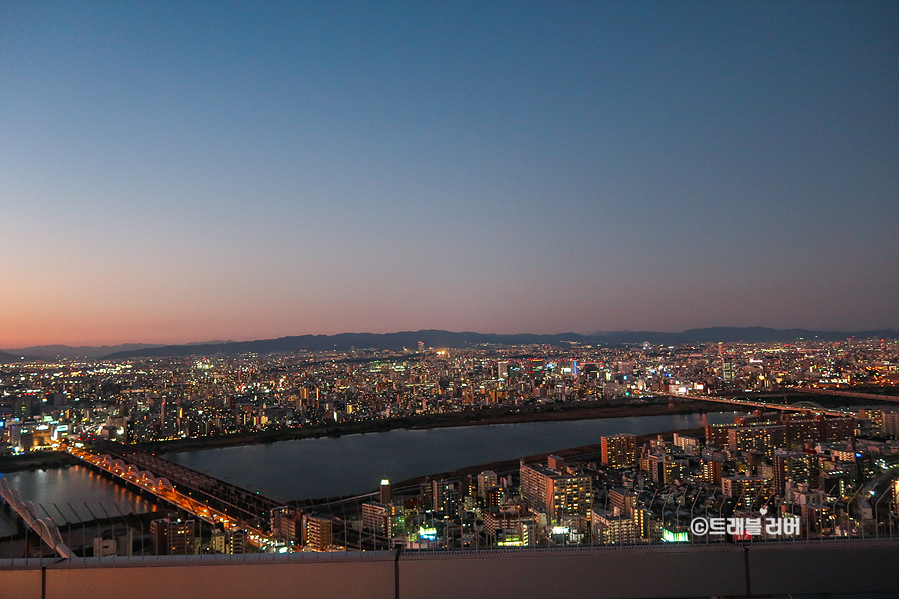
[(85, 351), (437, 338), (6, 358)]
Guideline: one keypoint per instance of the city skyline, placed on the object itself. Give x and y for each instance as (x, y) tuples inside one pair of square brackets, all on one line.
[(180, 173)]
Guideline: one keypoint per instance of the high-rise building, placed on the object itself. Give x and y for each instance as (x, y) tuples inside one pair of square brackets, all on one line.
[(838, 428), (795, 467), (875, 416), (286, 524), (803, 430), (891, 424), (384, 519), (717, 434), (218, 542), (619, 451), (764, 438), (446, 498), (665, 468), (712, 470), (622, 502), (502, 370), (613, 528), (507, 526), (555, 494), (385, 491), (486, 480), (728, 370), (746, 489), (317, 533), (174, 536)]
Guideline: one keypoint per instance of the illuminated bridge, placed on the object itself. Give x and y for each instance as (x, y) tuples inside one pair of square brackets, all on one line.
[(845, 393), (835, 568), (208, 498), (802, 406)]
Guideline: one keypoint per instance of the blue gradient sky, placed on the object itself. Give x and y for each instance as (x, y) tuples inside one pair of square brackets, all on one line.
[(175, 172)]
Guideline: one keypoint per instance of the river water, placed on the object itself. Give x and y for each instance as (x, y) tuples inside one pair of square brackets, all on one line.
[(346, 465)]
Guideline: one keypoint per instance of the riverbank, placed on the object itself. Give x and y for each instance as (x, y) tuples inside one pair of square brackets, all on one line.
[(581, 453), (541, 413), (36, 460)]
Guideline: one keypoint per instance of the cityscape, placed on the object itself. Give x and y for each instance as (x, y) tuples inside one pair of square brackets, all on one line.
[(824, 470), (429, 300)]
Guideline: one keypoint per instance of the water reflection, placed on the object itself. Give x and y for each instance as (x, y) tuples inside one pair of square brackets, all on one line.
[(353, 464), (75, 494), (330, 467)]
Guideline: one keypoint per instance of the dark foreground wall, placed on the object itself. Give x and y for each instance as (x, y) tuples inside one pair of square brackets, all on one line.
[(667, 571)]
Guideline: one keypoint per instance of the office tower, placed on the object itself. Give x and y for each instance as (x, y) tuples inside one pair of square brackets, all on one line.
[(619, 451), (502, 370), (385, 491)]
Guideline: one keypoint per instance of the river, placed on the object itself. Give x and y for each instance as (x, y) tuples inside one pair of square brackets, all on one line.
[(346, 465)]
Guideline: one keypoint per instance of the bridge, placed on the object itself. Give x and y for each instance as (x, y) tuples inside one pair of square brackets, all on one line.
[(874, 396), (802, 406), (44, 527), (231, 498), (857, 568), (207, 498)]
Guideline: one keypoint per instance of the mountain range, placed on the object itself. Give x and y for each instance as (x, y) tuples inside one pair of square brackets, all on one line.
[(438, 338), (433, 338), (45, 352)]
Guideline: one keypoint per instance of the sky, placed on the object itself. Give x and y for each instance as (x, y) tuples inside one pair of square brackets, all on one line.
[(177, 172)]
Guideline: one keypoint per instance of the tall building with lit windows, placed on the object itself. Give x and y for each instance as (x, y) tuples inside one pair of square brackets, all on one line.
[(763, 438), (619, 451), (317, 533), (174, 536), (558, 495)]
